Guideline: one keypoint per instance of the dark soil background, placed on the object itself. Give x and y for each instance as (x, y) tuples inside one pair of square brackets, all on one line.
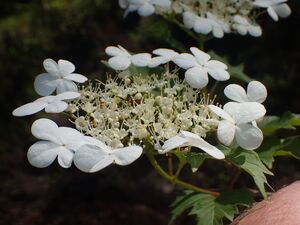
[(79, 31)]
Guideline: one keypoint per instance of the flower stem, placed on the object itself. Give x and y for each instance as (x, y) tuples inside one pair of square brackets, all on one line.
[(174, 179)]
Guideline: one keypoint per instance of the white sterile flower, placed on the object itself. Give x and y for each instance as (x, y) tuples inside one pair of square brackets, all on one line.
[(243, 26), (236, 124), (218, 26), (60, 77), (96, 155), (143, 7), (198, 67), (185, 138), (51, 104), (256, 92), (275, 8), (163, 56), (121, 59), (60, 142)]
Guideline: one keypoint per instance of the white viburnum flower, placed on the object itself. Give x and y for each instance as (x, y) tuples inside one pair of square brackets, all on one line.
[(256, 92), (121, 59), (198, 67), (218, 26), (59, 77), (51, 104), (243, 26), (143, 7), (57, 142), (96, 155), (236, 124), (185, 138), (275, 8), (163, 56)]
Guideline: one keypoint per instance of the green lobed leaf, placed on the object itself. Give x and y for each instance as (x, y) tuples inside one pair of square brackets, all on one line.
[(211, 210), (250, 162)]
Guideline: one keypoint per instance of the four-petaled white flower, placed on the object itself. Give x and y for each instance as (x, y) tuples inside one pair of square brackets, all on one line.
[(275, 8), (217, 26), (51, 104), (163, 56), (60, 142), (59, 77), (236, 124), (199, 66), (96, 155), (185, 138), (122, 59), (256, 92), (243, 26), (143, 7)]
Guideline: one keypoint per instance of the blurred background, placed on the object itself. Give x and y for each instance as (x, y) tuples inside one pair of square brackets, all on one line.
[(79, 31)]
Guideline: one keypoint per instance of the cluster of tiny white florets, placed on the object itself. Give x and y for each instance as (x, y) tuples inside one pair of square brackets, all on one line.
[(215, 16), (135, 109)]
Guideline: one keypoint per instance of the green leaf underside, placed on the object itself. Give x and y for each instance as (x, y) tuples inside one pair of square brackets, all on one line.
[(195, 160), (210, 210)]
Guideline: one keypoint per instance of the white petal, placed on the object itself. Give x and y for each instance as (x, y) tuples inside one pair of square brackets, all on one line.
[(185, 61), (216, 65), (156, 61), (93, 141), (189, 19), (241, 29), (245, 112), (130, 8), (201, 56), (42, 153), (218, 74), (221, 113), (218, 32), (236, 93), (226, 132), (196, 77), (45, 129), (255, 30), (65, 157), (65, 67), (202, 26), (116, 51), (196, 141), (90, 158), (30, 108), (45, 84), (272, 13), (240, 20), (248, 136), (262, 3), (119, 62), (146, 10), (56, 107), (71, 138), (76, 77), (141, 60), (51, 67), (67, 95), (282, 10), (172, 143), (168, 53), (126, 156), (256, 92), (66, 86)]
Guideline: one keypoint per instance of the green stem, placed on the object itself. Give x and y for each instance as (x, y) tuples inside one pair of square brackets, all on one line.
[(175, 180)]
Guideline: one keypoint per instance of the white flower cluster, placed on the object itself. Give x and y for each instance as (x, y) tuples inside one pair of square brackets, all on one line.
[(218, 16), (117, 119), (197, 65)]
